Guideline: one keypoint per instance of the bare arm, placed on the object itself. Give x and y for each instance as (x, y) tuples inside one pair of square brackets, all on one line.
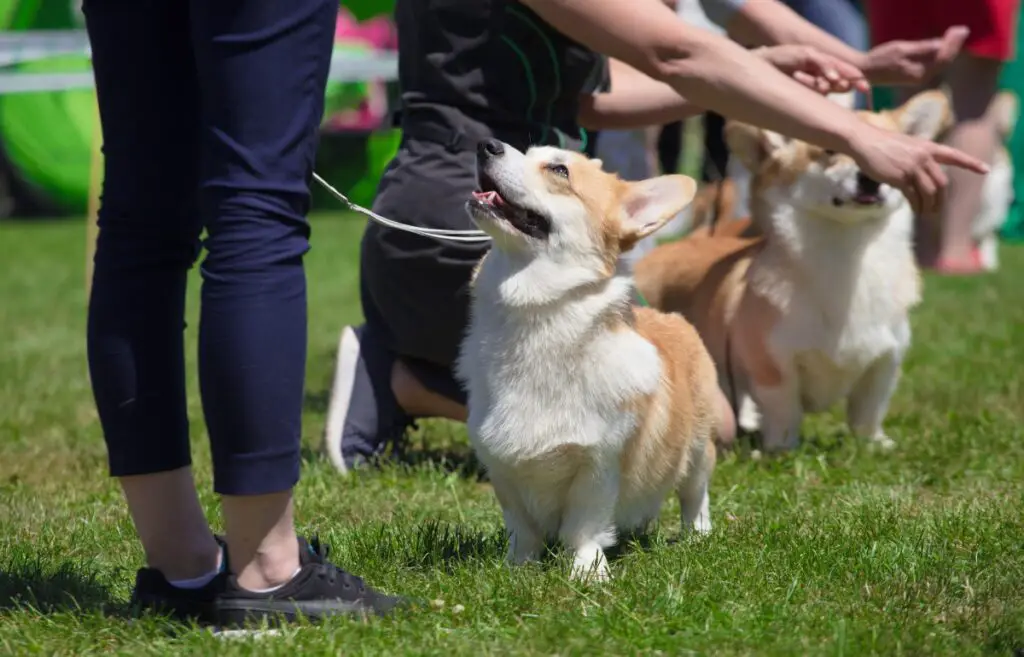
[(715, 73), (710, 70), (635, 101), (769, 23)]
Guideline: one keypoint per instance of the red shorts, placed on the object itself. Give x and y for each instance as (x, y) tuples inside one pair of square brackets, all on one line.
[(993, 23)]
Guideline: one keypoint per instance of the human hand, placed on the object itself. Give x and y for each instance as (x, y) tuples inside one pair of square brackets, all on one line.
[(910, 164), (815, 69), (913, 62)]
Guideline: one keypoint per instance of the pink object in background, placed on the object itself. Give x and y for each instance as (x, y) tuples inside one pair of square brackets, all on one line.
[(377, 32), (380, 34)]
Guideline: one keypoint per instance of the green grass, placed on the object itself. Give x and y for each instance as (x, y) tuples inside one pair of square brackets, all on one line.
[(832, 550)]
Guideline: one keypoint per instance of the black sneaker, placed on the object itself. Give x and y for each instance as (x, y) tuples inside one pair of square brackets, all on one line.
[(153, 593), (319, 590), (363, 417)]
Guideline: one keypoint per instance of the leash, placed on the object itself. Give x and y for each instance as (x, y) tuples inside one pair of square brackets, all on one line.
[(470, 236)]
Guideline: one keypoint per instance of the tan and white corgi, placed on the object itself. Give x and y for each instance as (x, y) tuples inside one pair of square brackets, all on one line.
[(815, 310), (996, 194), (586, 411)]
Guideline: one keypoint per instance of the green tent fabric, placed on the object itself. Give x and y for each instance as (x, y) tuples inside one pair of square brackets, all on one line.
[(47, 136), (1013, 80)]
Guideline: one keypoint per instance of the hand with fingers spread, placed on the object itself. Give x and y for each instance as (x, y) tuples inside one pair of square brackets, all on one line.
[(911, 164), (815, 69), (913, 62)]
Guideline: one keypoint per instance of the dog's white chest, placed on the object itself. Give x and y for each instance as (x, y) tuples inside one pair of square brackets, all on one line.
[(541, 382), (841, 322)]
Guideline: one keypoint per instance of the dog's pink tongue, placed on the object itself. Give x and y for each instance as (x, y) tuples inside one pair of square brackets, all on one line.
[(490, 198)]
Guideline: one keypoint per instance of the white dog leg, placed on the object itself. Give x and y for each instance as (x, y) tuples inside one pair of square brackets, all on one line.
[(988, 250), (748, 417), (695, 505), (868, 402), (524, 541), (781, 414), (587, 525)]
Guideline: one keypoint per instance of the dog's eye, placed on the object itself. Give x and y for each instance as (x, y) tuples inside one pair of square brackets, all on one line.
[(559, 170), (829, 153)]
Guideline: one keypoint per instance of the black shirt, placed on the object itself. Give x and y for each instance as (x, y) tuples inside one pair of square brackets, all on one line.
[(480, 68)]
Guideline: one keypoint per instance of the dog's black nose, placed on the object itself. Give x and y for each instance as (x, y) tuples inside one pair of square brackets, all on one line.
[(490, 148), (866, 185)]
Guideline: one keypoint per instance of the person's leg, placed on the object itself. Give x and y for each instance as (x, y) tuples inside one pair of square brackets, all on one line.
[(397, 366), (973, 82), (262, 68), (148, 240)]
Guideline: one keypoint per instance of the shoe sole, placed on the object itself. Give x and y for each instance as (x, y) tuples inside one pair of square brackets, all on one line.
[(346, 362), (274, 613)]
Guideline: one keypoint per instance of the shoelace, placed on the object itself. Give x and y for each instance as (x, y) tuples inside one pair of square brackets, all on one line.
[(329, 571)]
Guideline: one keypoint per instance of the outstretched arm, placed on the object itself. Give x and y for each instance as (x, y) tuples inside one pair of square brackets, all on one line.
[(715, 73), (636, 100), (769, 23)]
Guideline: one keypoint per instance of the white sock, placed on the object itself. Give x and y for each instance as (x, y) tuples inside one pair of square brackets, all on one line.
[(274, 588), (202, 580)]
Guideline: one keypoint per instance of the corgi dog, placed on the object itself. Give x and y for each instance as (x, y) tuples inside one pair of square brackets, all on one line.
[(814, 309), (585, 410), (996, 196)]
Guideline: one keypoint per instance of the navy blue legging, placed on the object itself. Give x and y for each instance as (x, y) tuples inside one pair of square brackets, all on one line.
[(210, 112)]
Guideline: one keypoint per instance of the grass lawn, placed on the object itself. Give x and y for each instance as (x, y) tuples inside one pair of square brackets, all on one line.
[(832, 550)]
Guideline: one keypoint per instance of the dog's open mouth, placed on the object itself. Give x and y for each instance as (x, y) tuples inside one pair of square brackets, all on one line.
[(868, 194), (524, 220), (860, 199)]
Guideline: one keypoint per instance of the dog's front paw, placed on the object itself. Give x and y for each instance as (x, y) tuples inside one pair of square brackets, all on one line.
[(778, 443), (880, 441), (748, 417), (590, 565), (523, 547)]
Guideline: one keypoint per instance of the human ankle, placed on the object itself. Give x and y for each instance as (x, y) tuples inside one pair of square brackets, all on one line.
[(263, 550), (187, 562), (271, 566)]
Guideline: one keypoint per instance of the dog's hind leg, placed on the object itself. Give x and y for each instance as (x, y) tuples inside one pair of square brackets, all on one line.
[(692, 491), (587, 526)]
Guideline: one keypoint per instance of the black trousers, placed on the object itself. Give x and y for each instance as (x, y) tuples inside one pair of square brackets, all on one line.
[(210, 113)]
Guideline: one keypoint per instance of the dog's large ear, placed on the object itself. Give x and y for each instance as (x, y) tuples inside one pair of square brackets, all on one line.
[(752, 145), (650, 204), (926, 115)]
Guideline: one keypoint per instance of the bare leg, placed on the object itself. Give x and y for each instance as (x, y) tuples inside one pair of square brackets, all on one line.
[(262, 546), (170, 523), (973, 82), (418, 401)]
